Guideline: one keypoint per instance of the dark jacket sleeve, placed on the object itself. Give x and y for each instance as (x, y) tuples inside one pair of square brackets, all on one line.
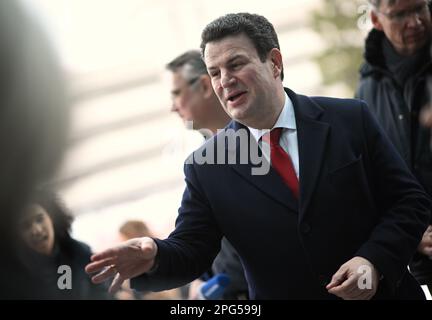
[(403, 205), (190, 249)]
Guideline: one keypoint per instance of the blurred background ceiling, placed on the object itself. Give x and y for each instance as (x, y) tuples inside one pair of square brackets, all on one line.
[(126, 152)]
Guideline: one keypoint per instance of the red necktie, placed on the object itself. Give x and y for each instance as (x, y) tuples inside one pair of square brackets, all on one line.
[(281, 161)]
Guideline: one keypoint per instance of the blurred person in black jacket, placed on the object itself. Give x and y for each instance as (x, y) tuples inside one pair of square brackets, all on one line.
[(33, 128)]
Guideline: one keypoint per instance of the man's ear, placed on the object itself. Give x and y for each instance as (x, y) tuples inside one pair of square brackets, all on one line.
[(206, 86), (276, 62), (375, 21)]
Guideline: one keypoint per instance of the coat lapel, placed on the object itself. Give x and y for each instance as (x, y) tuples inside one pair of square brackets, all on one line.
[(271, 183), (312, 138)]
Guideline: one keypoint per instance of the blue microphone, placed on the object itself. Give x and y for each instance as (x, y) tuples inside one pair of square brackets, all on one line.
[(214, 288)]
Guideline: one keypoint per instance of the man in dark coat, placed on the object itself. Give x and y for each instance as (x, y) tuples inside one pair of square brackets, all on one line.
[(394, 85), (336, 215)]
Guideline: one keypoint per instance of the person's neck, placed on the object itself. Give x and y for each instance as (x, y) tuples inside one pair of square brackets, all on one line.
[(273, 110), (219, 118), (219, 123)]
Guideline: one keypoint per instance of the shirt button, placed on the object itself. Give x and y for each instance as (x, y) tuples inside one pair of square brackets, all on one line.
[(401, 117)]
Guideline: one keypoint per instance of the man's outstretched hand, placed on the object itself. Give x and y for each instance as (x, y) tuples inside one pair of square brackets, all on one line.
[(127, 260)]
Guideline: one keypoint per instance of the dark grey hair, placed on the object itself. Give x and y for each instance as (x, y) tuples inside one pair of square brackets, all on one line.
[(191, 63), (376, 3)]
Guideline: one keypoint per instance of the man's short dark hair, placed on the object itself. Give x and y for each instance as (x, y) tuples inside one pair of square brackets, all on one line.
[(193, 60), (255, 27)]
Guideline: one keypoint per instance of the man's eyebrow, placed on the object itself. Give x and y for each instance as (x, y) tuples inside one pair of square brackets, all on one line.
[(234, 57), (230, 60)]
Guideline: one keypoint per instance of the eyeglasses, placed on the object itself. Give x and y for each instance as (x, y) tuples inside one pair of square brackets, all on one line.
[(400, 17), (176, 92)]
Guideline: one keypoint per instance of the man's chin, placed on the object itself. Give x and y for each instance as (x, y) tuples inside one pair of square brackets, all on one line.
[(416, 43), (237, 113), (416, 47)]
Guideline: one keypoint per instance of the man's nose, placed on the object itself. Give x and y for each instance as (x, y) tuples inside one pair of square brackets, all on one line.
[(174, 107), (227, 80), (414, 19)]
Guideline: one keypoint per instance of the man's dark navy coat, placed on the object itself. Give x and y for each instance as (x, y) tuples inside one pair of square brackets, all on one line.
[(357, 198)]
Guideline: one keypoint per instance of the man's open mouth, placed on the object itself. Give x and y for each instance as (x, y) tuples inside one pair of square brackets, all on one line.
[(235, 96)]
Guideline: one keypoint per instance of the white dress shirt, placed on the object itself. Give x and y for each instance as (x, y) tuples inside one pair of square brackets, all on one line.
[(288, 140)]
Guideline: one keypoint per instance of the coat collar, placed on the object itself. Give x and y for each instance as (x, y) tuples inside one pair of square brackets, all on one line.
[(312, 136)]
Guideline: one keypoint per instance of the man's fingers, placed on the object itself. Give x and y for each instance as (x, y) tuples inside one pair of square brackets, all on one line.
[(109, 253), (116, 284), (350, 286), (337, 279), (99, 265), (357, 296), (354, 292), (338, 289), (104, 275), (334, 283), (346, 288)]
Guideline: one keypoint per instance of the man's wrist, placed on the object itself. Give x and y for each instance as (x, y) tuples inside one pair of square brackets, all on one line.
[(155, 266), (153, 269)]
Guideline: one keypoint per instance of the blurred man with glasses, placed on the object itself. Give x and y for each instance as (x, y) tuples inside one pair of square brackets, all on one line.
[(394, 85)]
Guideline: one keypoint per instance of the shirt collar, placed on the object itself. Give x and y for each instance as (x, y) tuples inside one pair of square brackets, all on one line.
[(286, 120)]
